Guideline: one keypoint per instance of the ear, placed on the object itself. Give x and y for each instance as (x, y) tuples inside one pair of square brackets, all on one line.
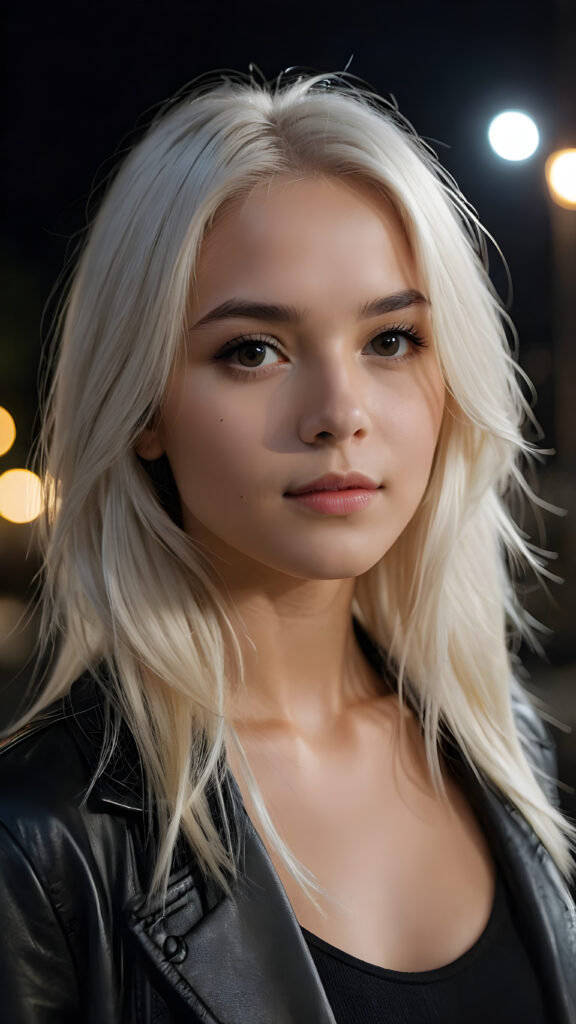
[(149, 445)]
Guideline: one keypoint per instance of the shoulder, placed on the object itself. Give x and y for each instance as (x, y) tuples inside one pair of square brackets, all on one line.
[(42, 774), (52, 815), (67, 871)]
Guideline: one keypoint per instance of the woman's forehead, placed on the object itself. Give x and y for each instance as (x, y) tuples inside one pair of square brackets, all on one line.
[(288, 228), (280, 193)]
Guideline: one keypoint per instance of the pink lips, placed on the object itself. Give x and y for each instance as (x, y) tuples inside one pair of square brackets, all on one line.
[(336, 494), (337, 482)]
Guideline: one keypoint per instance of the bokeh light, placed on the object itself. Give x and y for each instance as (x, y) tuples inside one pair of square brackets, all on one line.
[(561, 177), (7, 431), (21, 498), (513, 135)]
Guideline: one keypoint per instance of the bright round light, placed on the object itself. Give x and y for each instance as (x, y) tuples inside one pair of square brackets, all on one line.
[(21, 498), (513, 135), (7, 431), (561, 177)]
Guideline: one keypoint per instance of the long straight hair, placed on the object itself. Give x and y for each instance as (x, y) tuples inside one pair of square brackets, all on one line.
[(131, 597)]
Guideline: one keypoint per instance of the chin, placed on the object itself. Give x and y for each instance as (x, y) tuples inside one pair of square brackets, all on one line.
[(334, 567)]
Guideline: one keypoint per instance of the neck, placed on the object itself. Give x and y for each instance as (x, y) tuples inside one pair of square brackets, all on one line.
[(303, 666)]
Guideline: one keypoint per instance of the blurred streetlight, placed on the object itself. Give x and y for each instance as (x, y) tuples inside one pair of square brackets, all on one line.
[(561, 177), (513, 135), (7, 431), (21, 498)]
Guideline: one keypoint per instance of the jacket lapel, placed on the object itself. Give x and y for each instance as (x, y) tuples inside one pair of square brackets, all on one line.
[(229, 960), (241, 960)]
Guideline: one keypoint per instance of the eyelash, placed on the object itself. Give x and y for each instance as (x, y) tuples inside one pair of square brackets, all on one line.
[(225, 354)]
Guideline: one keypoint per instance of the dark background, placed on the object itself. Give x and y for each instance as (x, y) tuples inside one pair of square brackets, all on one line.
[(79, 78)]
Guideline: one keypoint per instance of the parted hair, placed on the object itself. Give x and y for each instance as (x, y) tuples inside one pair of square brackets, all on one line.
[(129, 596)]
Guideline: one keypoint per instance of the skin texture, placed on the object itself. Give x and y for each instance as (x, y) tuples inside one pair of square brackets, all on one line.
[(346, 786)]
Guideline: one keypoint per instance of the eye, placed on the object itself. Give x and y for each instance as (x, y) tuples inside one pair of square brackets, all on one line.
[(397, 342), (253, 353), (250, 353)]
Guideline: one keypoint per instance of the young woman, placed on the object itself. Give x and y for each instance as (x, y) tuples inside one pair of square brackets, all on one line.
[(281, 771)]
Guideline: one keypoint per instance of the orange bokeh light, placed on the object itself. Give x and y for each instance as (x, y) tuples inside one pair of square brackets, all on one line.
[(21, 498), (7, 431)]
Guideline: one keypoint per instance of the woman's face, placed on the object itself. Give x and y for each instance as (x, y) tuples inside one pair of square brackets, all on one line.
[(309, 353)]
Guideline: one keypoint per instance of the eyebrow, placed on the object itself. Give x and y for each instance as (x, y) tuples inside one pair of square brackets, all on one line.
[(246, 308)]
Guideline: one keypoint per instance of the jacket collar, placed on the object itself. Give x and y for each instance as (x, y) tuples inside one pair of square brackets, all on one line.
[(269, 970)]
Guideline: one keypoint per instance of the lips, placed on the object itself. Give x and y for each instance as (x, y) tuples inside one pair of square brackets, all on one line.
[(337, 482)]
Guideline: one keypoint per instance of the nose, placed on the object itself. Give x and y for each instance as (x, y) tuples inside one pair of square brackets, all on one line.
[(332, 405)]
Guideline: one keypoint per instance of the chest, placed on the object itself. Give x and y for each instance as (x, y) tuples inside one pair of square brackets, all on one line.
[(407, 873)]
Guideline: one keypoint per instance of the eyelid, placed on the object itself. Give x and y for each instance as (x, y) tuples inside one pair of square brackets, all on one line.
[(231, 346), (408, 330)]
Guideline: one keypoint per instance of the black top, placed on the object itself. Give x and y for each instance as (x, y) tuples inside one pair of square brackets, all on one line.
[(493, 982)]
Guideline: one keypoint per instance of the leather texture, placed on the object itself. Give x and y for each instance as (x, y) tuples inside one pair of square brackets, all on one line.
[(79, 944)]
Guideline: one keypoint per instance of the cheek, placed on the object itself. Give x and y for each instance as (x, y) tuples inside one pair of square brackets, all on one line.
[(411, 419), (205, 442), (415, 429)]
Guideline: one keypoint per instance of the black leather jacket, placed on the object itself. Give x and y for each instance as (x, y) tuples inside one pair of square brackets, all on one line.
[(77, 944)]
